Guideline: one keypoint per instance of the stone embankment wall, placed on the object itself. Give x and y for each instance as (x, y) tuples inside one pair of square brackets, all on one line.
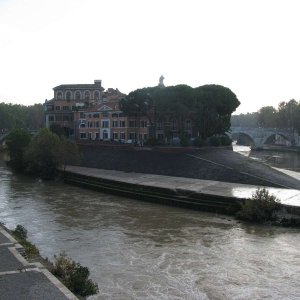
[(168, 196), (208, 164)]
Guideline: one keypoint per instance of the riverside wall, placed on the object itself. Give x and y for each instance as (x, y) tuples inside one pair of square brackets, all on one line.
[(208, 195), (164, 195)]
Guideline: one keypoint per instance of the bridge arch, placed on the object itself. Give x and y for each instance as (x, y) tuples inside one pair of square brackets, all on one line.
[(272, 135), (245, 139)]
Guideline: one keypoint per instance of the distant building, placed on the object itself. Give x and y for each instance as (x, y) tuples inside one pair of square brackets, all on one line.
[(88, 112)]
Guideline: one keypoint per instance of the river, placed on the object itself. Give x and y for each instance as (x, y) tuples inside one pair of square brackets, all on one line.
[(140, 250), (288, 160)]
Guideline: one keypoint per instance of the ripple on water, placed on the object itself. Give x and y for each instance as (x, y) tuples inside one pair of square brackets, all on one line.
[(139, 250)]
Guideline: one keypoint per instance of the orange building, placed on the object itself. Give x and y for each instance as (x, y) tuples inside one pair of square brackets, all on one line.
[(87, 112)]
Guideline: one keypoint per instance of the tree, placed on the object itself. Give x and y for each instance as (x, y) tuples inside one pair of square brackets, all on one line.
[(244, 120), (43, 154), (19, 116), (209, 107), (17, 141), (267, 117), (47, 152), (69, 153)]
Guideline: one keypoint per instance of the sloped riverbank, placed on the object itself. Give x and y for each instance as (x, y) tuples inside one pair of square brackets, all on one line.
[(219, 164)]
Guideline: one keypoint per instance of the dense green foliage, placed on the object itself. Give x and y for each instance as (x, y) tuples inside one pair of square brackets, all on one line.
[(244, 120), (42, 155), (19, 116), (261, 208), (20, 234), (74, 276), (286, 116), (209, 107), (17, 141)]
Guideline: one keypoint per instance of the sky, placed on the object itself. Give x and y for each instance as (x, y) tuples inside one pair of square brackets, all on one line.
[(249, 46)]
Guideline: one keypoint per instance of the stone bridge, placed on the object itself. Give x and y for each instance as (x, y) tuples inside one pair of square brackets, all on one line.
[(259, 136)]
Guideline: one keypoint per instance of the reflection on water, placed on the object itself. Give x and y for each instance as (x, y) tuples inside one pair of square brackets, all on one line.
[(279, 159), (140, 250)]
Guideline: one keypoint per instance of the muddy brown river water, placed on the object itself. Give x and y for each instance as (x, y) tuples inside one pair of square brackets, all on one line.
[(140, 250)]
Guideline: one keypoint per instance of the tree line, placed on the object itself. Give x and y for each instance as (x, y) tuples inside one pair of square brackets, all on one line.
[(209, 107), (20, 116), (286, 116)]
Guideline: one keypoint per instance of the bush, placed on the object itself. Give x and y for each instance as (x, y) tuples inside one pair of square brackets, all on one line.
[(214, 141), (198, 142), (20, 234), (225, 140), (74, 276), (184, 141), (261, 208)]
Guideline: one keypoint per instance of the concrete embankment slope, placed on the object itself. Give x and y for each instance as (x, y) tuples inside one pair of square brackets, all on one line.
[(185, 192), (208, 164)]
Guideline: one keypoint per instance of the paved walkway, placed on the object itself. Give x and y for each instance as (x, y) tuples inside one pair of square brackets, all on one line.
[(241, 191), (21, 280)]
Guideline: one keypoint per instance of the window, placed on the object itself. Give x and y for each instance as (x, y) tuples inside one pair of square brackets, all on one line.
[(51, 118), (122, 123), (57, 107), (96, 96), (81, 125), (90, 124), (174, 125), (66, 108), (77, 95), (159, 125), (114, 115), (160, 137), (82, 115), (59, 95), (115, 124), (97, 124), (96, 115), (143, 124), (97, 136), (68, 95), (82, 135), (58, 118), (105, 134), (132, 123), (105, 124), (87, 95), (66, 118), (122, 136), (132, 135), (115, 136), (73, 107), (188, 124), (105, 115)]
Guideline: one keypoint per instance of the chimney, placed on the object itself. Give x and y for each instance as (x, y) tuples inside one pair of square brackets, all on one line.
[(97, 82)]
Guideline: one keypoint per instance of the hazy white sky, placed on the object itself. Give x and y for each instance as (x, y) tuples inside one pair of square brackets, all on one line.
[(250, 46)]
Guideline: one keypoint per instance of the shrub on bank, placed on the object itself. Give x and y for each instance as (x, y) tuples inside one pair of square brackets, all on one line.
[(20, 234), (261, 208), (74, 276)]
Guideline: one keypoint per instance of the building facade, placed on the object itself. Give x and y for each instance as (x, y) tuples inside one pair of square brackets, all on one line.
[(88, 112)]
